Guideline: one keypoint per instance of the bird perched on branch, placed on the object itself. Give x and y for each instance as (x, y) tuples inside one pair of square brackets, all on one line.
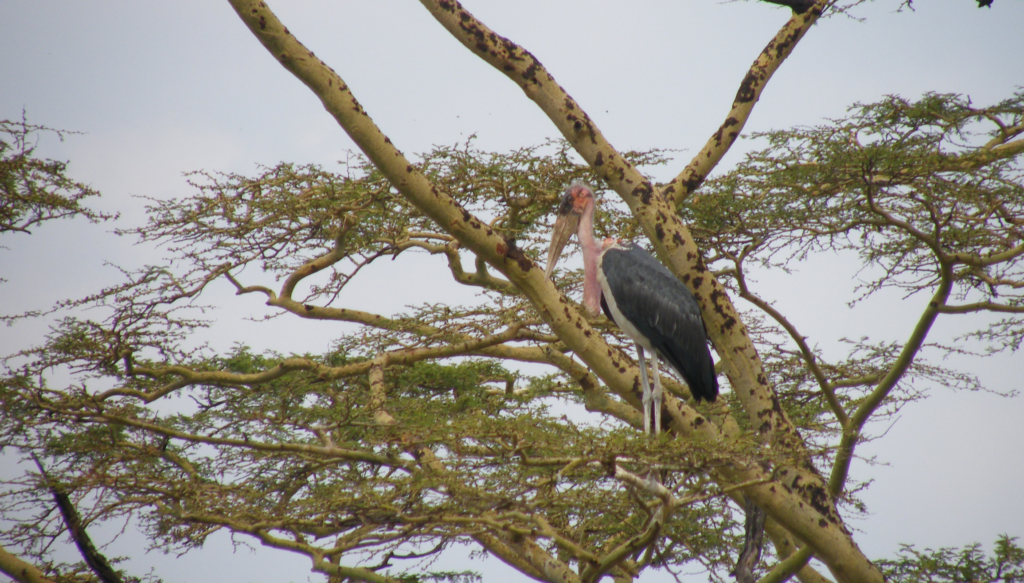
[(643, 298)]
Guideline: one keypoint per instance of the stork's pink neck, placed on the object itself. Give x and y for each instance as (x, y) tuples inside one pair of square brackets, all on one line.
[(591, 255)]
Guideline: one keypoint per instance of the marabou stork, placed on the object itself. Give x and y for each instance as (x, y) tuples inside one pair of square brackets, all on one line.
[(643, 298)]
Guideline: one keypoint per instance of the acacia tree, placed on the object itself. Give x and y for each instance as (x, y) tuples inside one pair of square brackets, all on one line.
[(424, 430), (33, 190)]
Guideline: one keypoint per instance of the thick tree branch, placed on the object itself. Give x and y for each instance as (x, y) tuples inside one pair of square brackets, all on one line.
[(785, 568), (753, 84), (786, 547), (753, 543), (93, 558), (980, 307), (352, 573), (20, 570)]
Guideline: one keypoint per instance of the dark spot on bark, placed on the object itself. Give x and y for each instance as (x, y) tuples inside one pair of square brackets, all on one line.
[(729, 323), (501, 248), (569, 104), (286, 31), (587, 333), (693, 182), (263, 23), (698, 422), (599, 160), (776, 404), (308, 307), (698, 281), (822, 523), (659, 231), (517, 255), (748, 88), (819, 500), (530, 74), (699, 265), (644, 192), (387, 140), (716, 297), (786, 42), (730, 122), (686, 277)]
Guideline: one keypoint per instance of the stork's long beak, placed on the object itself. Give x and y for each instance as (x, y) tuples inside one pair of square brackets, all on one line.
[(565, 226)]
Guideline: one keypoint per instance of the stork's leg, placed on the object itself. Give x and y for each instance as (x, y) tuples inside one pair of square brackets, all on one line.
[(646, 387), (658, 392)]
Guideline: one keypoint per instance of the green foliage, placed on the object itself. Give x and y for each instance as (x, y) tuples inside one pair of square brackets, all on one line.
[(446, 424), (33, 190), (911, 188), (450, 576), (952, 565)]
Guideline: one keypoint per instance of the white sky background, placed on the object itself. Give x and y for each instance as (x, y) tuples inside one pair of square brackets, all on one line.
[(162, 88)]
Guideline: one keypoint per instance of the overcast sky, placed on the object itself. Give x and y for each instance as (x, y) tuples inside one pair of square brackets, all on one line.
[(162, 88)]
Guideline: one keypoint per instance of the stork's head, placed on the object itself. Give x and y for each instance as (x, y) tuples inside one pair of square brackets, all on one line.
[(574, 202)]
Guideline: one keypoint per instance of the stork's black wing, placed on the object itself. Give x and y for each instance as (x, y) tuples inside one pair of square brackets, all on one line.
[(664, 311)]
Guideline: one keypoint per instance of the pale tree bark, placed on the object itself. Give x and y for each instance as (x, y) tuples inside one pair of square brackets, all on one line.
[(20, 570), (799, 499)]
